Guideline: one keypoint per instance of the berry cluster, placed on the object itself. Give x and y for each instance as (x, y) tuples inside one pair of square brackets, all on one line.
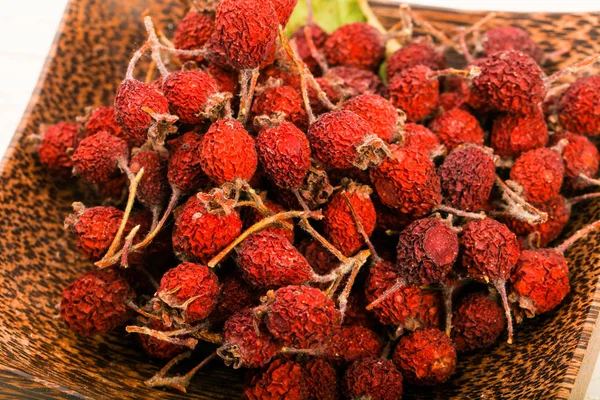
[(246, 139)]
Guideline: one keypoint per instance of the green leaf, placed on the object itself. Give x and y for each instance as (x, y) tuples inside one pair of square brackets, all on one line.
[(328, 14)]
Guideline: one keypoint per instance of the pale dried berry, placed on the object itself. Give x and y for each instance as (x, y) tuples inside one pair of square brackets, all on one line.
[(282, 380), (192, 288), (420, 138), (284, 152), (511, 38), (477, 323), (188, 93), (282, 99), (540, 172), (58, 144), (356, 45), (321, 380), (427, 250), (580, 156), (96, 302), (426, 357), (456, 127), (153, 189), (414, 92), (351, 343), (414, 53), (97, 158), (193, 32), (467, 177), (268, 259), (132, 96), (185, 166), (301, 316), (373, 378), (379, 113), (318, 37), (579, 107), (228, 152), (513, 134), (103, 119)]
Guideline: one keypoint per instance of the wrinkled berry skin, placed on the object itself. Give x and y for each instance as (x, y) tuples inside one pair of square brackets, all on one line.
[(340, 226), (193, 32), (542, 278), (356, 45), (413, 92), (318, 36), (301, 316), (282, 380), (153, 189), (490, 250), (511, 38), (226, 79), (236, 295), (456, 127), (407, 181), (103, 119), (420, 138), (373, 378), (514, 134), (320, 259), (59, 140), (467, 177), (95, 303), (284, 9), (185, 166), (241, 342), (351, 343), (426, 357), (246, 31), (285, 99), (131, 96), (540, 172), (509, 81), (476, 323), (427, 250), (354, 81), (96, 158), (188, 93), (199, 234), (379, 113), (579, 107), (159, 348), (335, 136), (228, 152), (413, 54), (190, 281), (284, 152), (268, 259), (580, 156), (321, 380)]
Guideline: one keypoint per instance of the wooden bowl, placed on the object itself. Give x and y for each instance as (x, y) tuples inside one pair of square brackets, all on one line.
[(553, 355)]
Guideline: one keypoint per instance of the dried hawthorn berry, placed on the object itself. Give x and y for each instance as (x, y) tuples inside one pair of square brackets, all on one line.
[(513, 134), (285, 99), (426, 357), (58, 143), (379, 113), (352, 81), (282, 380), (356, 45), (185, 166), (228, 152), (200, 233), (579, 107), (318, 37), (420, 138), (339, 221), (159, 348), (476, 323), (97, 158), (301, 316), (244, 345), (188, 93), (193, 32), (415, 53), (226, 79), (456, 127), (540, 172), (430, 312), (132, 96), (414, 92), (467, 177), (193, 288), (153, 189), (320, 259), (580, 156), (356, 312), (407, 182), (236, 295), (96, 302), (373, 378), (351, 343), (284, 74), (511, 38), (321, 380), (284, 9), (427, 250), (103, 119)]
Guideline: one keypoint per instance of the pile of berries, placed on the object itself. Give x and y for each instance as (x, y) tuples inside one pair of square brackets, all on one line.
[(338, 235)]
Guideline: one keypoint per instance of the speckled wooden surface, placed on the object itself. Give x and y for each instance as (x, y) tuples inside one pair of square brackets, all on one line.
[(39, 358)]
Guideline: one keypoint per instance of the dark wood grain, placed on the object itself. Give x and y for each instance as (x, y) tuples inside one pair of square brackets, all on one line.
[(87, 61)]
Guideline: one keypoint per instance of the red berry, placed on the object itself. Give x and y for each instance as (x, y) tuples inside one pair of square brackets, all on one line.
[(159, 348), (193, 32), (199, 233), (247, 44), (420, 138), (340, 225), (227, 80), (351, 343), (193, 288), (284, 9), (103, 119), (352, 81), (476, 323), (427, 250), (579, 106), (540, 172), (356, 45), (456, 127), (236, 295), (467, 177), (580, 156), (285, 99), (287, 74), (425, 357), (415, 53), (96, 302), (373, 378), (301, 316), (228, 152), (185, 166), (320, 259), (188, 93), (407, 181), (318, 36), (414, 92), (97, 158), (321, 380), (131, 97), (283, 380), (514, 134), (59, 142), (431, 310), (379, 113), (511, 38), (153, 189)]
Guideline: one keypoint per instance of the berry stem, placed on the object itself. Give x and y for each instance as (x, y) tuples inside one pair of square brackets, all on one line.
[(177, 382), (476, 26), (580, 234), (461, 38), (572, 69), (588, 181), (155, 46), (248, 84), (207, 336), (447, 293), (574, 200), (164, 336), (470, 73), (309, 13), (343, 297), (314, 52), (150, 72), (400, 283), (361, 229), (127, 246), (430, 29), (134, 60), (260, 204), (500, 286), (138, 310), (461, 213), (518, 207)]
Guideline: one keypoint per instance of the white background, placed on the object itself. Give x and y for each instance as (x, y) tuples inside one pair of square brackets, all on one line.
[(27, 28)]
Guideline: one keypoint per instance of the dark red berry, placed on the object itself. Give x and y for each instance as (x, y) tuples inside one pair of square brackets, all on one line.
[(58, 145), (103, 119), (476, 323), (185, 166), (540, 172), (356, 45), (513, 134), (373, 378), (153, 189), (579, 107), (97, 158), (511, 38), (414, 53), (283, 380), (193, 32), (414, 92), (379, 113)]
